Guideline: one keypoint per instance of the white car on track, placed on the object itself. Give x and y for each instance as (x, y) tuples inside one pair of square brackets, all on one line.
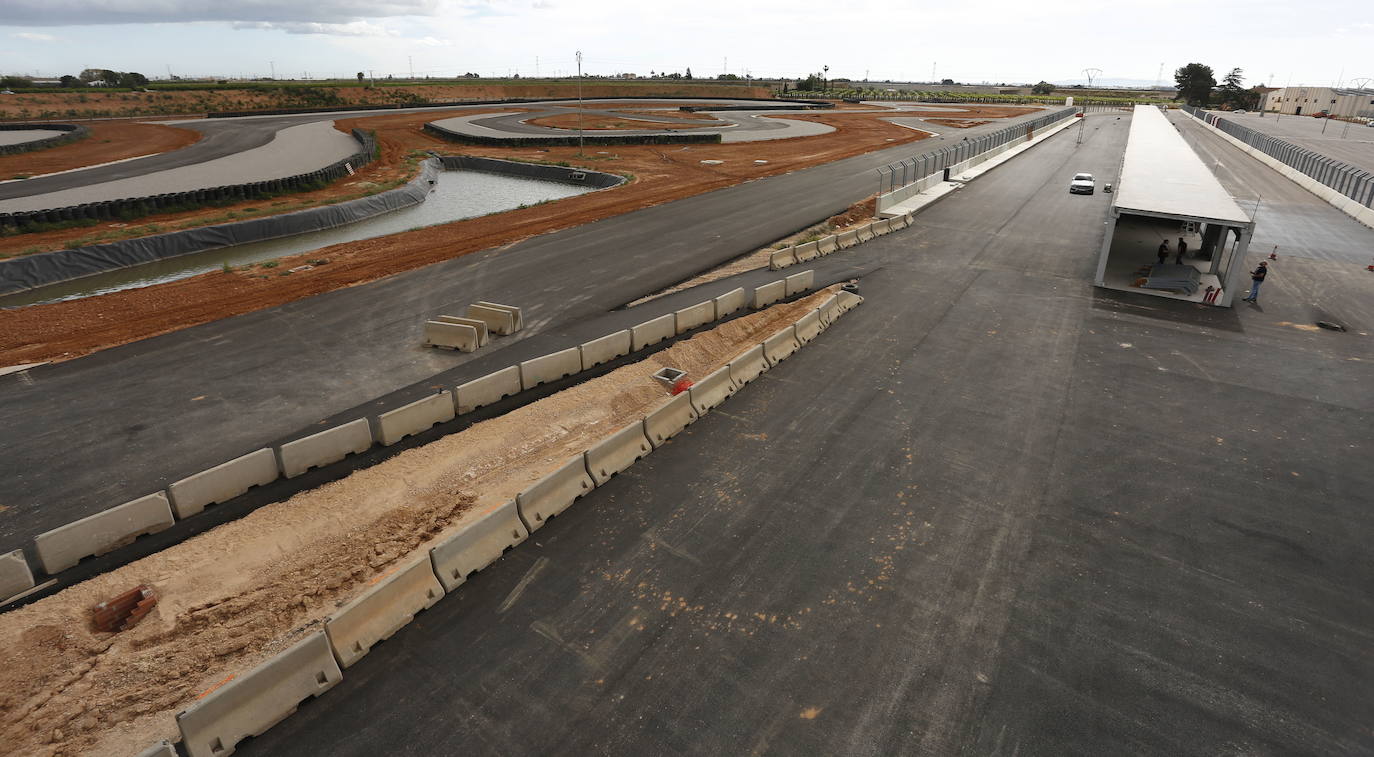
[(1082, 184)]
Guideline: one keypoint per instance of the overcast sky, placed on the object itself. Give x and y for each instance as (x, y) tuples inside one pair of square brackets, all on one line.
[(1315, 42)]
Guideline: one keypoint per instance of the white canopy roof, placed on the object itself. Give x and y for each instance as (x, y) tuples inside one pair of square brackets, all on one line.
[(1162, 176)]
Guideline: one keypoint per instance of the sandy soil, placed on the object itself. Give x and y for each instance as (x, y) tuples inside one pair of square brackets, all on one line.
[(109, 141), (233, 596), (64, 330), (596, 121)]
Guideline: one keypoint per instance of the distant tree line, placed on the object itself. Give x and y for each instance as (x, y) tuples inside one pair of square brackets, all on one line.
[(90, 77), (1197, 86)]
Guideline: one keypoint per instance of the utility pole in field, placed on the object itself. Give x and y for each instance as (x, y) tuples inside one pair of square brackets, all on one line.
[(579, 103)]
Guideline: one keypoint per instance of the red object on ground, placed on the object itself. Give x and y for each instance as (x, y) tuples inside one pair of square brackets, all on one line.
[(681, 386), (124, 611)]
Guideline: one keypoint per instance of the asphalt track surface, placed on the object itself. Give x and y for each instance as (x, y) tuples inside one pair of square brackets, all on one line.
[(155, 411), (992, 511), (1353, 145), (739, 126), (20, 136)]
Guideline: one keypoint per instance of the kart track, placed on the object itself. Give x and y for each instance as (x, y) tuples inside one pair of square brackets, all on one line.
[(992, 511)]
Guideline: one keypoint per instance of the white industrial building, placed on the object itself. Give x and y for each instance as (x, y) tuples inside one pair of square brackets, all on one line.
[(1306, 101)]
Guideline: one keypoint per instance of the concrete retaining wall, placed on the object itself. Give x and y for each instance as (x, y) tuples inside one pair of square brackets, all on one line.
[(779, 346), (15, 575), (696, 315), (488, 389), (665, 421), (415, 417), (712, 390), (618, 452), (65, 546), (606, 349), (325, 447), (223, 482), (252, 703), (799, 282), (748, 366), (475, 544), (554, 493), (769, 293), (653, 331), (730, 302), (550, 367), (382, 610)]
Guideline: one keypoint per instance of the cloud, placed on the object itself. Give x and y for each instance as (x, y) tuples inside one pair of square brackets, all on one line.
[(350, 29), (34, 36), (433, 42), (84, 12)]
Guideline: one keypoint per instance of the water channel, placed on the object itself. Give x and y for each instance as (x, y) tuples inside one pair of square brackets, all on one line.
[(456, 195)]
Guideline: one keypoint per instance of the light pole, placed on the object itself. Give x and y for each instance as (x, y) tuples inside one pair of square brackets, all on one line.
[(579, 103), (825, 78)]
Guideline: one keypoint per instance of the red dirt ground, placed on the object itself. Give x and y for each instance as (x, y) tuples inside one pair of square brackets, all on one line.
[(593, 121), (109, 141)]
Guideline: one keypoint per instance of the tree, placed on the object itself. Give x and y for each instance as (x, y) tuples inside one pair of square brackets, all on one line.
[(688, 75), (1195, 83), (946, 81), (15, 82), (133, 80), (90, 74), (1233, 96), (361, 77), (71, 82), (1043, 88)]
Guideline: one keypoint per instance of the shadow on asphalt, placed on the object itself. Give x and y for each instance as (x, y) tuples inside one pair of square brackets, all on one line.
[(1164, 309)]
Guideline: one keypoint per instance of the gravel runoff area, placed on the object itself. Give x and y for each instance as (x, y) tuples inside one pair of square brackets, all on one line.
[(20, 136), (294, 150), (1347, 142)]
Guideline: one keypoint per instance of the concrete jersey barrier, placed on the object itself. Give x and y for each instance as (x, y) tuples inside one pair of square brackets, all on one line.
[(606, 349), (782, 258), (65, 546), (15, 575), (252, 703), (807, 252), (486, 390), (162, 748), (550, 367), (618, 452), (769, 293), (554, 493), (748, 366), (730, 302), (415, 417), (452, 336), (712, 390), (653, 331), (514, 312), (382, 610), (828, 310), (864, 233), (799, 282), (499, 321), (781, 345), (829, 244), (325, 447), (847, 239), (223, 482), (808, 326), (477, 544), (847, 300), (696, 315), (483, 335), (668, 419)]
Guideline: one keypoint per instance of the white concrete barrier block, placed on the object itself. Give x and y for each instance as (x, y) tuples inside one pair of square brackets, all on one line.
[(653, 331), (782, 258), (808, 251), (605, 349), (382, 609), (864, 233), (554, 493), (847, 239), (223, 482), (828, 244), (781, 345), (483, 335), (499, 320), (162, 748), (699, 314), (325, 447), (730, 302), (514, 312), (550, 367), (15, 575), (477, 543), (848, 300), (254, 702), (881, 227), (668, 419), (486, 390), (748, 366), (451, 336), (65, 546), (415, 417), (808, 326), (712, 390), (618, 452), (828, 310), (799, 282), (769, 293)]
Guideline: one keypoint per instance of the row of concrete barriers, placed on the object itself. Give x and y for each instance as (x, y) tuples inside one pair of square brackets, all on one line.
[(473, 331), (65, 546), (802, 253), (250, 704)]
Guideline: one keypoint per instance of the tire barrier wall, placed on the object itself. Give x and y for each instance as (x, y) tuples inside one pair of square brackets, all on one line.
[(71, 133), (325, 447), (594, 140), (564, 174), (41, 269), (65, 546), (223, 482), (554, 493), (904, 179), (135, 207), (1347, 188), (250, 704), (416, 417), (383, 609), (800, 105), (476, 544)]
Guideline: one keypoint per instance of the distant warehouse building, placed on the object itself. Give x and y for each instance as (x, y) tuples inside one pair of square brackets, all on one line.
[(1300, 101)]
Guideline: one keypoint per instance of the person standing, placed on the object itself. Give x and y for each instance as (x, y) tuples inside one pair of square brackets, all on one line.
[(1163, 251), (1256, 278), (1182, 248)]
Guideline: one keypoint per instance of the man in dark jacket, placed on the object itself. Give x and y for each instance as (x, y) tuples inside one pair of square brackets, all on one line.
[(1257, 278)]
